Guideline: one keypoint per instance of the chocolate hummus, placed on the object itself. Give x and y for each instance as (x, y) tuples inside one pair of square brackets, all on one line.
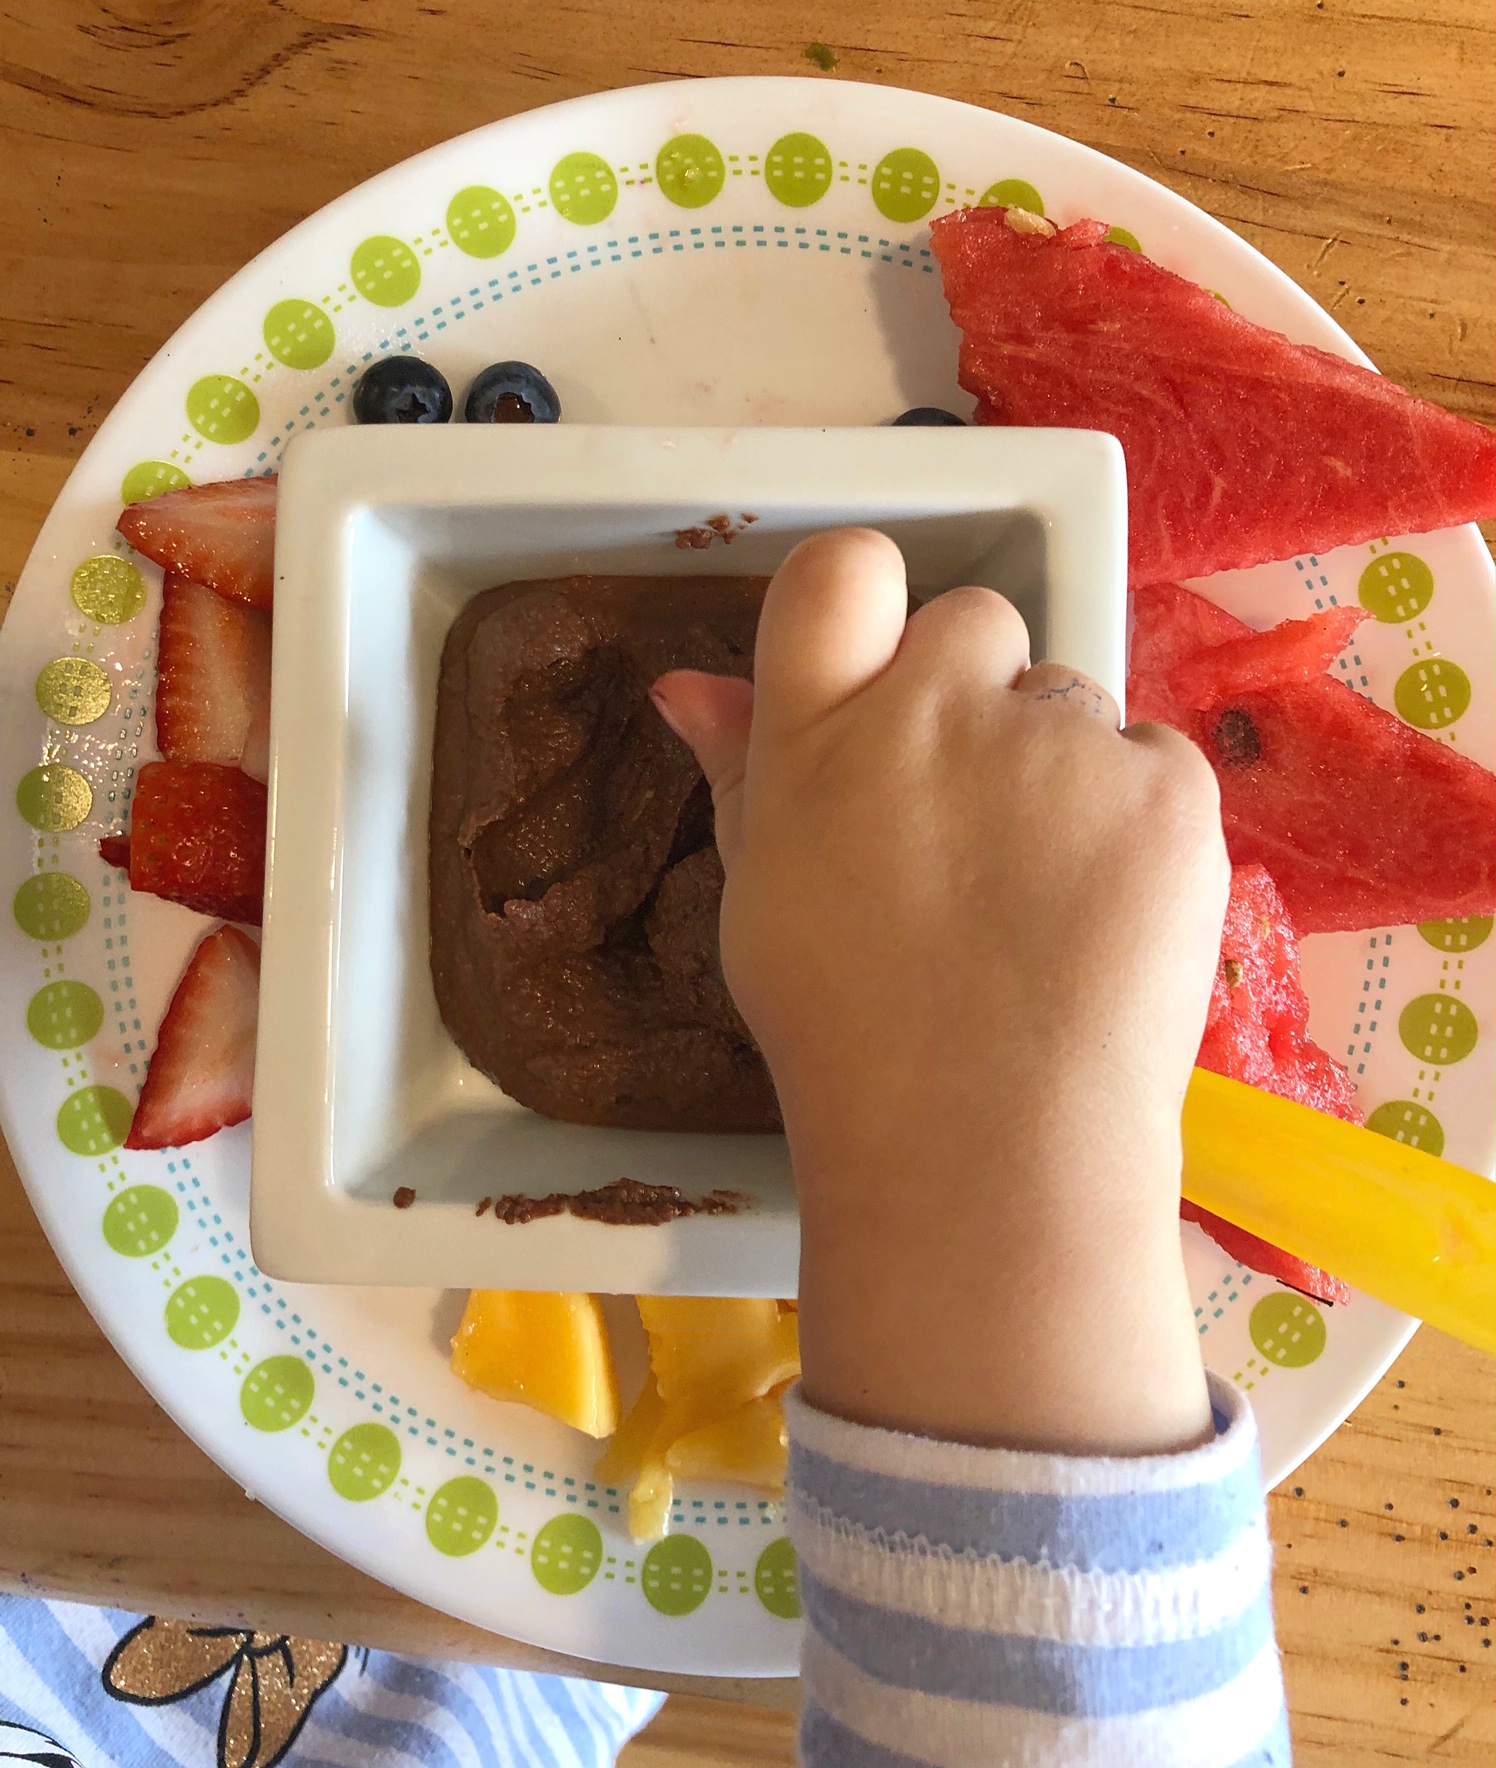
[(574, 883)]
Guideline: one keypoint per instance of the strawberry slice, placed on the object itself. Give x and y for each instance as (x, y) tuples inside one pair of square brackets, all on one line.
[(198, 838), (221, 535), (202, 1074), (213, 676), (114, 850)]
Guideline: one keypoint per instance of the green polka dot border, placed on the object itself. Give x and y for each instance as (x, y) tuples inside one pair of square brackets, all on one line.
[(905, 185), (202, 1313), (385, 270), (480, 222), (299, 335), (1405, 1120), (276, 1394), (690, 171), (1288, 1330), (64, 1015), (148, 479), (54, 797), (140, 1221), (797, 170), (1012, 193), (1432, 694), (676, 1576), (109, 589), (461, 1516), (51, 906), (72, 690), (566, 1554), (776, 1580), (222, 409), (1438, 1029), (1464, 934), (94, 1121), (364, 1462), (583, 189), (1395, 587)]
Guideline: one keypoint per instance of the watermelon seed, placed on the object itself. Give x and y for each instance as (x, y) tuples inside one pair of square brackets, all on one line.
[(1236, 739)]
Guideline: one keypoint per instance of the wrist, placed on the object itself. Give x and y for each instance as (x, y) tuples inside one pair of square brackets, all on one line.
[(1004, 1302)]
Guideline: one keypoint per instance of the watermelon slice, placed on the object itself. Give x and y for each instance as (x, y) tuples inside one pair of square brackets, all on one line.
[(1188, 654), (1293, 651), (1261, 1255), (1240, 445), (1256, 1030), (1170, 626), (1362, 820)]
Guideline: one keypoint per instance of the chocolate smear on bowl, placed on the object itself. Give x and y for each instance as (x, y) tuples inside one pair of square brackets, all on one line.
[(624, 1203), (720, 527)]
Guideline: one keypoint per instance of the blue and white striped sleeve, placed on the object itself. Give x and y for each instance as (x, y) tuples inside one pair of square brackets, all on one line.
[(985, 1606)]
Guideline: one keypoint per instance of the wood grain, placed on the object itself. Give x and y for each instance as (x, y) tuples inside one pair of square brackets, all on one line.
[(151, 147)]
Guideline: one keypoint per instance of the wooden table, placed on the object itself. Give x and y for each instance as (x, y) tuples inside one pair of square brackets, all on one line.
[(150, 148)]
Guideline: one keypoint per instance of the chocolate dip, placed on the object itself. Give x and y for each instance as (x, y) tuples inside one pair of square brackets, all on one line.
[(574, 884)]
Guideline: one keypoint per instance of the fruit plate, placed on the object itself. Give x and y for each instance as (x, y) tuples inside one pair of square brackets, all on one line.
[(713, 252)]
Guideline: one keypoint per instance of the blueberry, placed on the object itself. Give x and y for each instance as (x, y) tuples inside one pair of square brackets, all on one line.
[(511, 393), (928, 417), (402, 390)]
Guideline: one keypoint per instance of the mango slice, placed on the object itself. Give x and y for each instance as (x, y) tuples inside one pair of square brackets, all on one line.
[(650, 1500), (546, 1351), (710, 1408), (624, 1456), (750, 1446), (721, 1353)]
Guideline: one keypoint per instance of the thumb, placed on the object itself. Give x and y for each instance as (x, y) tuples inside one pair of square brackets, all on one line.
[(712, 714)]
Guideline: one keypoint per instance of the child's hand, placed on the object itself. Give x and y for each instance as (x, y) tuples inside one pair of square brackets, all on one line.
[(973, 928)]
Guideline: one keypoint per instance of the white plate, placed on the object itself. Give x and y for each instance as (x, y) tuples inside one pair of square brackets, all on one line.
[(382, 535), (744, 309)]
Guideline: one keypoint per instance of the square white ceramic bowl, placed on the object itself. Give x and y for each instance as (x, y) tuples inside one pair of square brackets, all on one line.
[(382, 536)]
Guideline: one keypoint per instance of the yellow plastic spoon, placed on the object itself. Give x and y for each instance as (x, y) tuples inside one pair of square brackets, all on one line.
[(1416, 1232)]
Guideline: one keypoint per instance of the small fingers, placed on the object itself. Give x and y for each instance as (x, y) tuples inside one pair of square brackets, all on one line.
[(1054, 683), (831, 624), (712, 715)]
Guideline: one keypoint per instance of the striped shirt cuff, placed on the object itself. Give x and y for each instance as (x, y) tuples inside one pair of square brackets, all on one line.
[(969, 1605)]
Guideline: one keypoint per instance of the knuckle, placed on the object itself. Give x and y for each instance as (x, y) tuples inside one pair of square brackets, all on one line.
[(970, 610)]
